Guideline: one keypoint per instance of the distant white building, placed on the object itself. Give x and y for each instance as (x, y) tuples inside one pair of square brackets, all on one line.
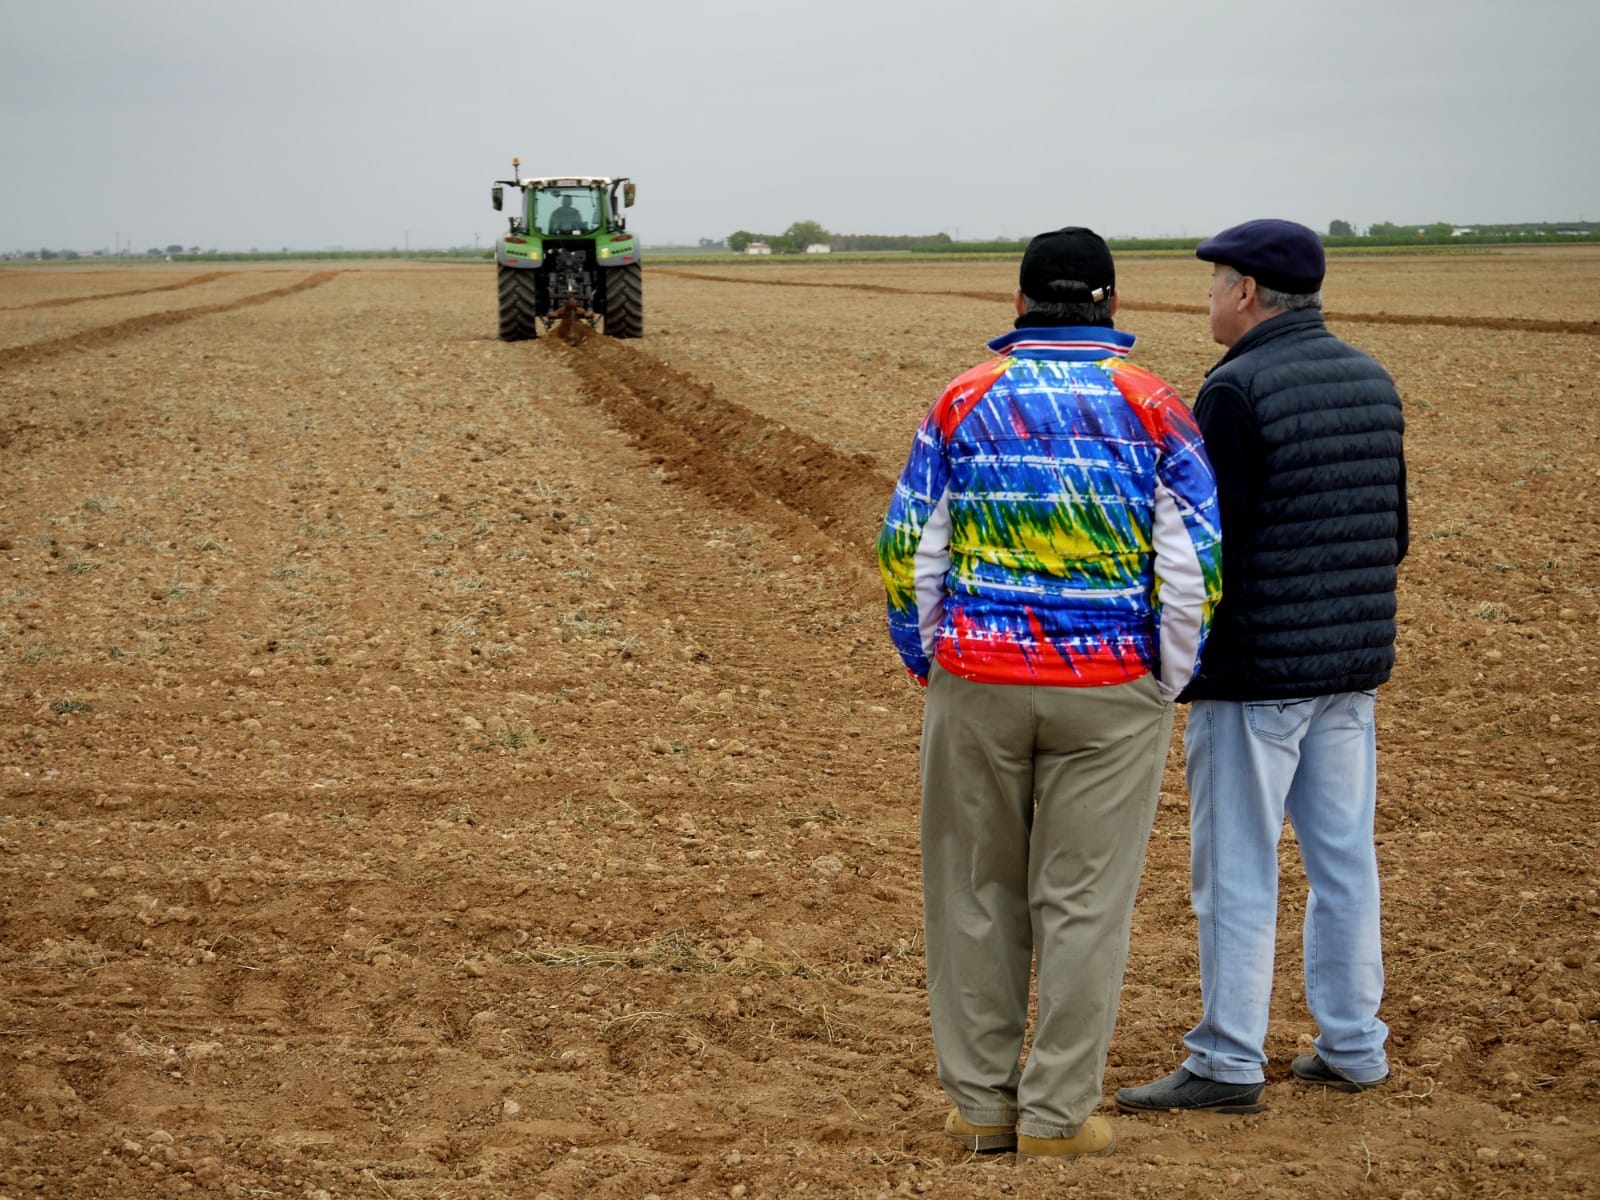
[(758, 248), (819, 248)]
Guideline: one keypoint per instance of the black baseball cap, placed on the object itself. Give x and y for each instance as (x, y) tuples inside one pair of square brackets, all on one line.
[(1071, 264)]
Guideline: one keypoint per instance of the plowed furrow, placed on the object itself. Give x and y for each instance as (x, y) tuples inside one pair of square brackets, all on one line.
[(106, 335), (738, 458), (1506, 324), (62, 301)]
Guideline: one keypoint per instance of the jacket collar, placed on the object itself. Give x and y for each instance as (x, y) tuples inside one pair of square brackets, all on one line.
[(1270, 329), (1068, 343)]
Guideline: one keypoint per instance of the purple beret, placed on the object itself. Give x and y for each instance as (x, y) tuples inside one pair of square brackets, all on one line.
[(1281, 255)]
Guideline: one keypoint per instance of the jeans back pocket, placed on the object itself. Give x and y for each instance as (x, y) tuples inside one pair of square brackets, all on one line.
[(1279, 720)]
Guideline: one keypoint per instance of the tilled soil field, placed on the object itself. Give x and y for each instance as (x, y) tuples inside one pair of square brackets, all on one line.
[(433, 767)]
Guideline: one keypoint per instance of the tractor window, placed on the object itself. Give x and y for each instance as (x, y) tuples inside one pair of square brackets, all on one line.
[(559, 211)]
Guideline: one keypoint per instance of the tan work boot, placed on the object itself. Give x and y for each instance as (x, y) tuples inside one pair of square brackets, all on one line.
[(979, 1137), (1094, 1138)]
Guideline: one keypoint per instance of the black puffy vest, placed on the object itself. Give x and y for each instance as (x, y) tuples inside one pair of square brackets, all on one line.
[(1313, 613)]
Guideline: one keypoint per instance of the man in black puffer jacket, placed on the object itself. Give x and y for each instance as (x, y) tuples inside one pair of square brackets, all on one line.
[(1304, 434)]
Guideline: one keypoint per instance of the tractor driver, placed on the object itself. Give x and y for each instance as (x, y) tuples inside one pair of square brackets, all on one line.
[(566, 219)]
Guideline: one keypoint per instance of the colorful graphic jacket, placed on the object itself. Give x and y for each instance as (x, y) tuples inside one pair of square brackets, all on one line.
[(1056, 522)]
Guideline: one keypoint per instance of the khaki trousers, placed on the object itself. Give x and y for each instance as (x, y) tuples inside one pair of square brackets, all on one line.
[(1037, 804)]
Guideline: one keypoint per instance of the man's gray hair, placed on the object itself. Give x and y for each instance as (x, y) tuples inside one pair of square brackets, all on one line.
[(1070, 312), (1275, 301)]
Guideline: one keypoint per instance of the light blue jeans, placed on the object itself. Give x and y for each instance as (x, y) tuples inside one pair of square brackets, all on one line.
[(1250, 765)]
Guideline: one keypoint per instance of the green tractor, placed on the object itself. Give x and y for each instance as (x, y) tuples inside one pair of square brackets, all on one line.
[(568, 257)]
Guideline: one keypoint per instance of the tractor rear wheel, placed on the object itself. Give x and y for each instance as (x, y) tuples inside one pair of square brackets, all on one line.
[(519, 305), (625, 301)]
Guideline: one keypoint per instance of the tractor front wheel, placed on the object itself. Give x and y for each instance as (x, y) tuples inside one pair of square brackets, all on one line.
[(625, 301), (519, 305)]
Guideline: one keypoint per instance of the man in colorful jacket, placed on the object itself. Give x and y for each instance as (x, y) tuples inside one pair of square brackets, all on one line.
[(1052, 561)]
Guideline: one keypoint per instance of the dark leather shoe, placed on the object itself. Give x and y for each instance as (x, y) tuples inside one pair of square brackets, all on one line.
[(1313, 1069), (1185, 1091)]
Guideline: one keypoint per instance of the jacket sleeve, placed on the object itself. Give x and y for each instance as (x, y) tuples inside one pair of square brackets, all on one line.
[(1187, 539), (914, 550), (1233, 447)]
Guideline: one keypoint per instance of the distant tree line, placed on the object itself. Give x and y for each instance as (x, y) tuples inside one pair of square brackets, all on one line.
[(793, 240), (803, 234), (48, 255), (919, 243), (1387, 232), (195, 254)]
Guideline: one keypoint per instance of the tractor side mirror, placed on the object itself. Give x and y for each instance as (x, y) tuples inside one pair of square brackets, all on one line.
[(497, 196), (627, 195)]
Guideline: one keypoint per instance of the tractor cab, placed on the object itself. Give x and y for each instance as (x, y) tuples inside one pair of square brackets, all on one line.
[(571, 206), (564, 211)]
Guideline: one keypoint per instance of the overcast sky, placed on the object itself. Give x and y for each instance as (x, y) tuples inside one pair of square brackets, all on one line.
[(377, 123)]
